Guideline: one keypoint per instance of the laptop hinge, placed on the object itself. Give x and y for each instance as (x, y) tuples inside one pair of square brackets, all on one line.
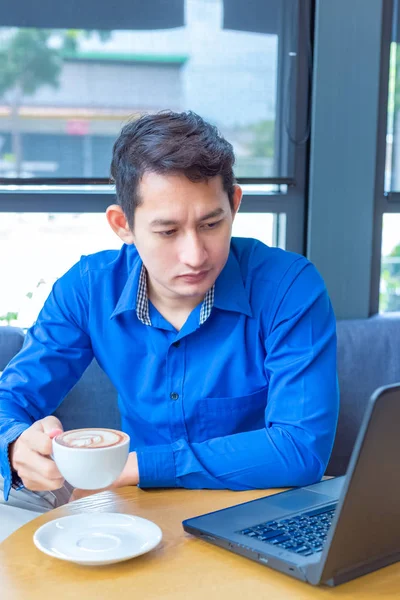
[(352, 572)]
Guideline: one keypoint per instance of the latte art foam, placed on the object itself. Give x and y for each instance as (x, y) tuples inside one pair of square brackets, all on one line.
[(91, 438)]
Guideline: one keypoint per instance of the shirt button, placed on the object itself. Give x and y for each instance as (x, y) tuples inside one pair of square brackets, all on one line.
[(176, 344), (174, 396)]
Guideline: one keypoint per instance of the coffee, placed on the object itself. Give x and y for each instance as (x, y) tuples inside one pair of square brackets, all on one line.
[(91, 438)]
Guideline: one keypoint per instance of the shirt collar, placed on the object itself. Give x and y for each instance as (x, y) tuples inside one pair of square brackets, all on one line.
[(128, 297), (142, 299), (230, 292)]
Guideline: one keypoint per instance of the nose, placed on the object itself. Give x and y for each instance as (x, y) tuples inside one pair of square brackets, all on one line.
[(193, 252)]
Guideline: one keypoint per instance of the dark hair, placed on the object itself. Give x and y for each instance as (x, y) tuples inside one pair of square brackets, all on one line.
[(169, 142)]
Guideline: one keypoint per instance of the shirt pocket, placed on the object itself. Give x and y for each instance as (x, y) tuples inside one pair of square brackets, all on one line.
[(218, 417)]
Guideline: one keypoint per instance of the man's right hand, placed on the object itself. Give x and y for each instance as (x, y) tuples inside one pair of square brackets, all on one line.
[(30, 456)]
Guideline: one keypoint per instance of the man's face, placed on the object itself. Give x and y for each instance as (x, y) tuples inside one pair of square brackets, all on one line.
[(182, 232)]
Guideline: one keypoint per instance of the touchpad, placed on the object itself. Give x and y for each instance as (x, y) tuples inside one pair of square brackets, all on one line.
[(298, 500)]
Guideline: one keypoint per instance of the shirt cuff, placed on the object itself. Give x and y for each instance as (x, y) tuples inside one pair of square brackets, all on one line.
[(12, 434), (156, 466)]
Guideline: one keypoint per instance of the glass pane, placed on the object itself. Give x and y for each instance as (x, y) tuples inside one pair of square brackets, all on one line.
[(392, 166), (390, 269), (261, 226), (67, 92), (52, 243)]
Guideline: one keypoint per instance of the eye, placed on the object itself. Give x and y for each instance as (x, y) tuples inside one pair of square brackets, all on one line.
[(168, 233), (211, 225)]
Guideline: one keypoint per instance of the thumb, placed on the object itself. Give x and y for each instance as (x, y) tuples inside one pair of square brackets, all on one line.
[(52, 426)]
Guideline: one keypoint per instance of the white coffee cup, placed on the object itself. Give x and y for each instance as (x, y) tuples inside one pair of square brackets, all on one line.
[(91, 458)]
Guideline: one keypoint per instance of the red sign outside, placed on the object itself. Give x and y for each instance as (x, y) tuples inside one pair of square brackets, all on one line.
[(77, 127)]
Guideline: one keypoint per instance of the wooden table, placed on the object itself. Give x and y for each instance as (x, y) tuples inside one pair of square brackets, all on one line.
[(182, 566)]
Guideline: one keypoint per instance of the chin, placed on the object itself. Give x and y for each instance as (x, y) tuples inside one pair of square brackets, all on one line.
[(193, 290)]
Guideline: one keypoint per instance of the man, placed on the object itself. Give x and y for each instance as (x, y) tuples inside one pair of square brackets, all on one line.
[(223, 350)]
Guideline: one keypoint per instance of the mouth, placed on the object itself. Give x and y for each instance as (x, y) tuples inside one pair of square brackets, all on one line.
[(193, 277)]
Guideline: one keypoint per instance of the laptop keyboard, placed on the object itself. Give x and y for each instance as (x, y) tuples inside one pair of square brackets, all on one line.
[(303, 534)]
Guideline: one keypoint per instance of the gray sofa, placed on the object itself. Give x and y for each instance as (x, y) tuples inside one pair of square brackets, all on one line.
[(368, 357)]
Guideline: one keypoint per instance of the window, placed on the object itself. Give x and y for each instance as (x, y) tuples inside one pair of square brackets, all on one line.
[(79, 73), (65, 93), (389, 289)]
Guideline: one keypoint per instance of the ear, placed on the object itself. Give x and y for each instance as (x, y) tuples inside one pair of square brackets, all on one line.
[(117, 220), (236, 200)]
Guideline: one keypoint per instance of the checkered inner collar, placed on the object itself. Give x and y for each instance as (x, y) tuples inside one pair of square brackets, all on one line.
[(142, 301)]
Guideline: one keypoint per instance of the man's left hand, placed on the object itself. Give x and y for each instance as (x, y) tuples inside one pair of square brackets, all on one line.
[(129, 476)]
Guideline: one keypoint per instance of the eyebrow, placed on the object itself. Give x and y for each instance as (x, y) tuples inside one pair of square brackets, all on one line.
[(166, 222)]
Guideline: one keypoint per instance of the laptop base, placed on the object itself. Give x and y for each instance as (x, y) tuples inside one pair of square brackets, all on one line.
[(269, 561)]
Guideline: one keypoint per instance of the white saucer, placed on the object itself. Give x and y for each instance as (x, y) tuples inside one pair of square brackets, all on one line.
[(97, 538)]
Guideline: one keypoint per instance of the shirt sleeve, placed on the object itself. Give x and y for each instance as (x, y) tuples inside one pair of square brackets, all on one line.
[(55, 353), (301, 411)]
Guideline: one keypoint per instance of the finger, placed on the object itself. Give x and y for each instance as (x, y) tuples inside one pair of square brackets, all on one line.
[(36, 483), (39, 466), (49, 424), (54, 432), (40, 442), (29, 443), (40, 484)]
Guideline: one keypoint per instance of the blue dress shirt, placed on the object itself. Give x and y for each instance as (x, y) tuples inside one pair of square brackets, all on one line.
[(247, 399)]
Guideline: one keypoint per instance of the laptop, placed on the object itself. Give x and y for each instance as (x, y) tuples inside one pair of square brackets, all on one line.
[(333, 531)]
